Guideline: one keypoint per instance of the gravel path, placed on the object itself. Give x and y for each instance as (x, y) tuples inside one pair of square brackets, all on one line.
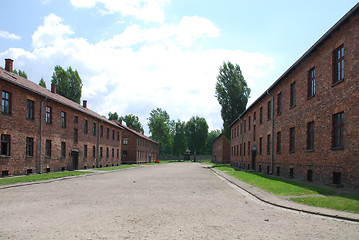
[(167, 201)]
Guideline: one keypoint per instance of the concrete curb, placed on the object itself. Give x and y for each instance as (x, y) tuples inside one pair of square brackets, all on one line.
[(273, 200)]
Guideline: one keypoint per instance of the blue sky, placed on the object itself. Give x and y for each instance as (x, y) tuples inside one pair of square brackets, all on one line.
[(136, 55)]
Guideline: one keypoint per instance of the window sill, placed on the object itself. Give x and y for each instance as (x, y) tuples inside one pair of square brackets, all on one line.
[(310, 150), (337, 148), (6, 114), (291, 152), (337, 82), (292, 106), (5, 156), (310, 97), (278, 114), (31, 119)]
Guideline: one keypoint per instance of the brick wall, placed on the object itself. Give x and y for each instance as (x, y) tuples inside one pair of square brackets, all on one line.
[(221, 150)]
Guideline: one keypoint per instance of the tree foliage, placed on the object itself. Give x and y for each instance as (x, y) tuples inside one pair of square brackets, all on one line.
[(113, 116), (232, 94), (159, 127), (212, 135), (132, 121), (68, 83), (42, 83), (20, 73), (178, 140), (197, 134)]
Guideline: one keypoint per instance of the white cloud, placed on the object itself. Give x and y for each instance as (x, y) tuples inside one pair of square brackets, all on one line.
[(148, 10), (5, 34)]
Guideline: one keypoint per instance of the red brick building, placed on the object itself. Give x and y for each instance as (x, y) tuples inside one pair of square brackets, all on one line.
[(42, 131), (136, 147), (221, 150), (306, 124)]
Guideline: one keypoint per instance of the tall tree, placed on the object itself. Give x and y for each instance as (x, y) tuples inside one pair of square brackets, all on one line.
[(113, 116), (197, 134), (68, 83), (42, 83), (232, 94), (20, 73), (178, 140), (159, 127), (132, 121)]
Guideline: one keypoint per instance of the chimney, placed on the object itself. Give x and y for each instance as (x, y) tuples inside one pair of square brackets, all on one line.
[(84, 103), (121, 121), (9, 64), (53, 87)]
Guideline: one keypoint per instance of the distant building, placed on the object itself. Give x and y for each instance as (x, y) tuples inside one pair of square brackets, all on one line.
[(306, 125), (221, 150)]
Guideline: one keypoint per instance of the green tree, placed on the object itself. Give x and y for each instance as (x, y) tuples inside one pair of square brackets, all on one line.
[(232, 94), (212, 135), (42, 83), (133, 121), (197, 134), (178, 140), (113, 116), (20, 73), (159, 127), (68, 83)]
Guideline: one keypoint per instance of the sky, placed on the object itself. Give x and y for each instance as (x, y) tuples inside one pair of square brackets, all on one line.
[(137, 55)]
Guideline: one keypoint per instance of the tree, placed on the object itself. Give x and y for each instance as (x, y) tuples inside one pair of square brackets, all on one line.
[(113, 116), (212, 135), (20, 73), (42, 83), (159, 127), (178, 140), (232, 94), (68, 83), (132, 121), (197, 134)]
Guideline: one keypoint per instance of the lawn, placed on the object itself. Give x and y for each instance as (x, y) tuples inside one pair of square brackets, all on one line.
[(345, 203), (39, 177)]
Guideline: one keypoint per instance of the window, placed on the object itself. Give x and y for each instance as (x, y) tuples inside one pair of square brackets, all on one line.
[(244, 149), (76, 119), (260, 146), (48, 116), (279, 103), (338, 64), (292, 95), (113, 134), (85, 150), (63, 119), (107, 152), (237, 149), (30, 109), (93, 151), (310, 136), (254, 116), (124, 153), (279, 142), (249, 148), (245, 124), (101, 131), (5, 145), (338, 130), (292, 140), (240, 150), (75, 135), (101, 152), (94, 129), (249, 123), (269, 110), (86, 126), (48, 148), (124, 140), (29, 147), (118, 136), (108, 133), (261, 115), (268, 144), (113, 153), (63, 149), (311, 82), (254, 132), (118, 153), (5, 102)]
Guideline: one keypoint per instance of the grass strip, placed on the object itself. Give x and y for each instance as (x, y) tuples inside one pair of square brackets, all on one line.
[(278, 186), (344, 203), (40, 177)]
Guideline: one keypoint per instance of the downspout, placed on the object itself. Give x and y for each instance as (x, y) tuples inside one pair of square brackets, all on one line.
[(272, 137), (41, 120), (98, 144)]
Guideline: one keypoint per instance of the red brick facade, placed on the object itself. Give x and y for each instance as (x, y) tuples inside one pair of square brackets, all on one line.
[(220, 150), (307, 124), (42, 131)]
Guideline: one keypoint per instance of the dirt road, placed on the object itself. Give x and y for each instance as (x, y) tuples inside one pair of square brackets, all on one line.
[(169, 201)]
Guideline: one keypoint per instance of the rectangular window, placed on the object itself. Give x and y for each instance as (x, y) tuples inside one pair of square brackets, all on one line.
[(260, 146), (338, 64), (63, 119), (254, 116), (244, 149), (30, 109), (261, 115), (311, 82), (75, 135), (101, 152), (76, 119), (94, 129), (93, 151), (279, 142), (86, 127), (108, 133), (249, 148), (254, 132), (279, 103), (240, 150), (113, 153), (292, 95), (113, 134), (310, 136), (269, 110), (5, 145), (118, 136), (101, 131), (124, 153), (5, 102), (292, 140), (85, 150), (29, 147), (63, 149), (48, 148), (106, 152), (48, 116), (118, 153), (249, 123), (245, 125), (268, 144), (338, 130), (237, 149), (124, 140)]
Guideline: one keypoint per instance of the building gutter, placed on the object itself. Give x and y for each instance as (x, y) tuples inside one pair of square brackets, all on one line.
[(272, 137)]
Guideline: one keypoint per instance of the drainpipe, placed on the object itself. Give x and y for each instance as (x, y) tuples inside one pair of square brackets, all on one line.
[(272, 137), (98, 144), (241, 150), (41, 120)]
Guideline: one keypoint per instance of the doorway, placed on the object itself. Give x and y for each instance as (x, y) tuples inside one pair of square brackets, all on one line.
[(254, 154), (75, 160)]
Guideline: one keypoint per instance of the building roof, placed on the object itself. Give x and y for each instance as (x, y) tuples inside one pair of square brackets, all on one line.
[(46, 93), (135, 132), (327, 35)]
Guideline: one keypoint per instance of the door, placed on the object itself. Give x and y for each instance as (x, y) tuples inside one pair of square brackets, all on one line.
[(254, 154), (75, 160)]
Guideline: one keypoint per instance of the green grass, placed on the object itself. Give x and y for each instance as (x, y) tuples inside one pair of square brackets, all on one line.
[(344, 203), (39, 177), (278, 186), (115, 168)]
